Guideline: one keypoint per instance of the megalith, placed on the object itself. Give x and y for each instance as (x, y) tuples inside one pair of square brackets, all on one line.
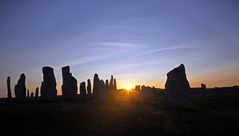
[(69, 86), (88, 87), (48, 86), (20, 88), (9, 92), (82, 89), (177, 88)]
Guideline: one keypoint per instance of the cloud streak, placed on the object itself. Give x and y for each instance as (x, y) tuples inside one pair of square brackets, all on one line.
[(167, 49), (119, 44)]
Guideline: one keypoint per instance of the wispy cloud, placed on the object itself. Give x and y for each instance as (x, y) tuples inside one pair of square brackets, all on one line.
[(99, 50), (84, 60), (167, 49), (119, 44)]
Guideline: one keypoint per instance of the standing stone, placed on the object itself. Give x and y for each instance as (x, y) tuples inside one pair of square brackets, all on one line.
[(106, 82), (32, 95), (137, 88), (82, 89), (102, 90), (96, 85), (107, 86), (37, 93), (9, 92), (115, 85), (69, 87), (177, 88), (20, 88), (111, 83), (88, 87), (28, 94), (48, 86), (203, 89)]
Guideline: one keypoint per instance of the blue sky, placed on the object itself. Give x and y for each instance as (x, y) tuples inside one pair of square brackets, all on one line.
[(138, 41)]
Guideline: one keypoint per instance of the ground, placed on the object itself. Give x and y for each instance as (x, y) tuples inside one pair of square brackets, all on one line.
[(122, 114)]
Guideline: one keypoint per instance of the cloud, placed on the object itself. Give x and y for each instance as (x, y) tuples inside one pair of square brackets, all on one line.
[(84, 60), (167, 49), (100, 50), (122, 45)]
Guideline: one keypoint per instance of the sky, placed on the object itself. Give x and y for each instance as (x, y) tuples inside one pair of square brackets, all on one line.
[(137, 41)]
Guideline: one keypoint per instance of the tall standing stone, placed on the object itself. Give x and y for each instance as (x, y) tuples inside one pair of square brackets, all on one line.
[(88, 87), (69, 86), (82, 89), (48, 86), (115, 85), (107, 85), (178, 88), (96, 85), (37, 92), (20, 88), (111, 83), (9, 92)]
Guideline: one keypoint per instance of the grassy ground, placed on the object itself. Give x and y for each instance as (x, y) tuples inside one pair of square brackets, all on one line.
[(122, 114)]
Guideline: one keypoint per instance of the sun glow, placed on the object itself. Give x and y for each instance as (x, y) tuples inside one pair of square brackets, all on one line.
[(128, 87)]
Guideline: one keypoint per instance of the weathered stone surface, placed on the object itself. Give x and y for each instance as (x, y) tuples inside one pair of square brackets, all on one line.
[(9, 92), (37, 92), (48, 86), (88, 87), (82, 89), (20, 88), (203, 89), (69, 87), (177, 88)]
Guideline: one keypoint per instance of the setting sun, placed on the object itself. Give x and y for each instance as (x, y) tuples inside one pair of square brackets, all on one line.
[(129, 87)]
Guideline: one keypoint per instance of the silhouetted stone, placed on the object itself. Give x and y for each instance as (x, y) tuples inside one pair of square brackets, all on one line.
[(48, 86), (37, 93), (177, 88), (82, 89), (96, 85), (115, 85), (88, 87), (102, 90), (106, 82), (203, 89), (137, 87), (69, 87), (9, 92), (143, 87), (28, 94), (111, 83), (20, 88), (32, 95), (107, 86), (147, 90)]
